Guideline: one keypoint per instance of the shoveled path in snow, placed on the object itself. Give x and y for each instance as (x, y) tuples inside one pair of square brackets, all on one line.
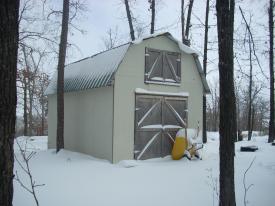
[(75, 179)]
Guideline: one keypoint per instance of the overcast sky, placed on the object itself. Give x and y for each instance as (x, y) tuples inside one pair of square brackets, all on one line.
[(105, 14)]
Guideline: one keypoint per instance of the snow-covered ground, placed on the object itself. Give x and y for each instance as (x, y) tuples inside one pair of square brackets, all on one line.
[(75, 179)]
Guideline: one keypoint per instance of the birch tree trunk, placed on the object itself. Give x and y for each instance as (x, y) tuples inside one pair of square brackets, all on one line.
[(60, 77), (128, 12), (8, 62), (204, 133), (227, 128)]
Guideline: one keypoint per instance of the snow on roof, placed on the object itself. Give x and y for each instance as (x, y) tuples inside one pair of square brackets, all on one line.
[(182, 47), (99, 69), (178, 94), (92, 72)]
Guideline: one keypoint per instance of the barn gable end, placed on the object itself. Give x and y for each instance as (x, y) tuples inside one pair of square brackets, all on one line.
[(131, 75)]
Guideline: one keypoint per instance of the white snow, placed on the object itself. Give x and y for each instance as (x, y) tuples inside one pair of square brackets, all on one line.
[(254, 133), (182, 46), (76, 179), (159, 126), (163, 80), (157, 78), (34, 143), (185, 48), (163, 83), (144, 91), (139, 40)]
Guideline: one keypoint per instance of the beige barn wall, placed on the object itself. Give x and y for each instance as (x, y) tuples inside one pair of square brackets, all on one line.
[(130, 76), (88, 122)]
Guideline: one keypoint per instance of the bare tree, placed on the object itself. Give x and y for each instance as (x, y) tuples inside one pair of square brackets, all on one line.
[(9, 10), (238, 103), (185, 28), (252, 51), (152, 7), (271, 134), (26, 160), (249, 119), (42, 85), (29, 87), (22, 79), (29, 78), (228, 134), (128, 12), (249, 116), (26, 85), (29, 36), (188, 20), (140, 29), (204, 133), (60, 77), (262, 108), (213, 108), (182, 21), (112, 39)]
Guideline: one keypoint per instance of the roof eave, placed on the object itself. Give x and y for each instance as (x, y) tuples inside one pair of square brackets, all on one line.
[(202, 75)]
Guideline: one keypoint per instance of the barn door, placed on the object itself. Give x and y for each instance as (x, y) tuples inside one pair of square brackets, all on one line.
[(157, 120)]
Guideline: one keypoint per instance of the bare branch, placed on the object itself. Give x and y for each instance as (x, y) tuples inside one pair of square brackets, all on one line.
[(26, 169), (253, 43), (244, 181)]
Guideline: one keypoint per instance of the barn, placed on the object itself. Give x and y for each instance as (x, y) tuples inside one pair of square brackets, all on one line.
[(128, 102)]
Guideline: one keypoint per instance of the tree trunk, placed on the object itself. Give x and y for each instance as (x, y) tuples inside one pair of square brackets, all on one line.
[(249, 118), (204, 133), (128, 12), (182, 21), (43, 117), (30, 91), (271, 135), (239, 131), (152, 7), (252, 120), (60, 78), (8, 61), (227, 128), (188, 21), (25, 115), (42, 106)]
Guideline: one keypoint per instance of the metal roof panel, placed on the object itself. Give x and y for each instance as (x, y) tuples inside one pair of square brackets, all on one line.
[(92, 72)]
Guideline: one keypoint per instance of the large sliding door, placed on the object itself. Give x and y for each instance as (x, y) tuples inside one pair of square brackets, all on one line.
[(157, 119)]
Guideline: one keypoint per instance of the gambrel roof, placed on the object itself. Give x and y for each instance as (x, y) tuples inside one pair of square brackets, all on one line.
[(99, 69), (92, 72)]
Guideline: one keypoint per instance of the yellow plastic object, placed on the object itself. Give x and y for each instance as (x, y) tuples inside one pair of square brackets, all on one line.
[(180, 145)]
